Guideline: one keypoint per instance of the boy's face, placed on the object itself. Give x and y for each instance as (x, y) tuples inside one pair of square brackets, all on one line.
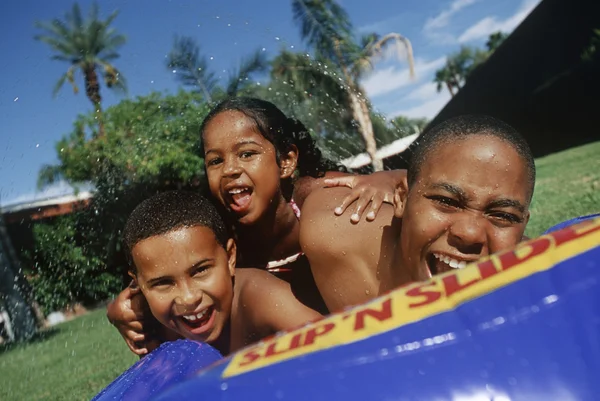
[(470, 199), (186, 277)]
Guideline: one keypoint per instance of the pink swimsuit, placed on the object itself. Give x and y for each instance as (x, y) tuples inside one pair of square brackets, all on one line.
[(274, 266)]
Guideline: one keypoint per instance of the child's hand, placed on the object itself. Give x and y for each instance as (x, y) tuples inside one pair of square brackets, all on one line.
[(375, 189), (130, 314)]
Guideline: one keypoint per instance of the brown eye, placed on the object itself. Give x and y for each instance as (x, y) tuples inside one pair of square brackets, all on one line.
[(214, 162), (506, 217), (247, 154), (445, 201)]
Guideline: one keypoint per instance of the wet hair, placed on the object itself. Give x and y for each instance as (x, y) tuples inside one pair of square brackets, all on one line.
[(281, 131), (170, 211), (462, 127)]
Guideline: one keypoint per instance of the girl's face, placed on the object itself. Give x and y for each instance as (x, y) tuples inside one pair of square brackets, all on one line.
[(242, 168)]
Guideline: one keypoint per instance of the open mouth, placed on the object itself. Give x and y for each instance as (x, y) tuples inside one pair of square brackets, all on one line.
[(439, 263), (240, 198), (199, 322)]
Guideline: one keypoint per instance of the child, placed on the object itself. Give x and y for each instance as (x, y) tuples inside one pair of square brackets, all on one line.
[(184, 264), (469, 185), (260, 166)]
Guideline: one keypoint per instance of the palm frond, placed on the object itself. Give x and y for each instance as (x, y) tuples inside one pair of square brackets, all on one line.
[(113, 77), (377, 48), (190, 67), (256, 63), (310, 77), (324, 25), (48, 175)]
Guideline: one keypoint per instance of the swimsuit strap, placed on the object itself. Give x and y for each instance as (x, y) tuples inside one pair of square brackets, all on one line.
[(274, 266)]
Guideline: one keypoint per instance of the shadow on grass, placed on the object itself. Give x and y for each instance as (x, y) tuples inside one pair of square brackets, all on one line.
[(40, 336)]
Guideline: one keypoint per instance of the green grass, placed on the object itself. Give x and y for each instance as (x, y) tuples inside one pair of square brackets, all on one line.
[(72, 361), (79, 358), (567, 186)]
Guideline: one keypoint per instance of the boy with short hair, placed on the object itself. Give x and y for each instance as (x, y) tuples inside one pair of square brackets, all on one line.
[(184, 264)]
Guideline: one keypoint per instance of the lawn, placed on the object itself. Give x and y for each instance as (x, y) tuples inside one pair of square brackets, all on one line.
[(567, 186), (72, 361), (77, 359)]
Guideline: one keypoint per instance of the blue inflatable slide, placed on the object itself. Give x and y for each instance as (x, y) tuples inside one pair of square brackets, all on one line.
[(520, 325)]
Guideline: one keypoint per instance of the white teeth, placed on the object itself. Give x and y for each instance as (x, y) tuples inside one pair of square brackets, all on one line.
[(453, 263), (192, 318), (237, 191)]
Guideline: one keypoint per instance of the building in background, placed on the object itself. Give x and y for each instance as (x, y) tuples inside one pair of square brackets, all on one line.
[(538, 81)]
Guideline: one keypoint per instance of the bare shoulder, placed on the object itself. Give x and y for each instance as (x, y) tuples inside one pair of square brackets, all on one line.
[(250, 282), (267, 303), (320, 227), (304, 186)]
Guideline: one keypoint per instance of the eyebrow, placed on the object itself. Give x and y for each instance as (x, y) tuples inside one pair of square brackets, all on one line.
[(238, 145), (502, 202), (505, 202), (453, 189), (192, 267)]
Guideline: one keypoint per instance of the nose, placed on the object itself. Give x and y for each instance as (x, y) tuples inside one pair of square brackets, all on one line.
[(188, 298), (468, 235), (231, 167)]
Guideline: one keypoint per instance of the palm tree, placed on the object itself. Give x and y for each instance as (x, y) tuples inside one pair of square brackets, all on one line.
[(443, 77), (495, 40), (88, 46), (326, 28), (191, 69)]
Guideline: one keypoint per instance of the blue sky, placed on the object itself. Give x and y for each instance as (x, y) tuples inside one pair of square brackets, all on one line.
[(31, 120)]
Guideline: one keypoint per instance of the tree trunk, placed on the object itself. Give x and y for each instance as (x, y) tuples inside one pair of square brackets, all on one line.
[(449, 86), (360, 112), (92, 90), (13, 291)]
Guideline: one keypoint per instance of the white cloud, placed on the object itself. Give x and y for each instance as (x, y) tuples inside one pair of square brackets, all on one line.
[(424, 92), (431, 100), (433, 25), (391, 78), (488, 25), (442, 19)]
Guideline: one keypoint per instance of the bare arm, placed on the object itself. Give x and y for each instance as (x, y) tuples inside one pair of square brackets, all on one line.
[(348, 261)]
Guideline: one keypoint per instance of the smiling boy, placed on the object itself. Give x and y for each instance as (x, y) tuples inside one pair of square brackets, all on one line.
[(184, 264), (467, 194)]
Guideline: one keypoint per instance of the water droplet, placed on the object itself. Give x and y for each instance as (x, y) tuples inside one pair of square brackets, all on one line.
[(276, 37), (17, 98), (37, 145)]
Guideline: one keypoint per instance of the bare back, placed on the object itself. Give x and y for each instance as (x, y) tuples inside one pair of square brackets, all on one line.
[(351, 263)]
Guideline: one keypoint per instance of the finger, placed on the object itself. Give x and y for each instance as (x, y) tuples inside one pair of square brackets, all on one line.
[(134, 336), (136, 348), (376, 203), (339, 182), (361, 205), (347, 201)]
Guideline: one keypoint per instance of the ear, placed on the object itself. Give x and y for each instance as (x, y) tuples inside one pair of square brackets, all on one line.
[(135, 284), (289, 162), (231, 250), (527, 216), (400, 197)]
